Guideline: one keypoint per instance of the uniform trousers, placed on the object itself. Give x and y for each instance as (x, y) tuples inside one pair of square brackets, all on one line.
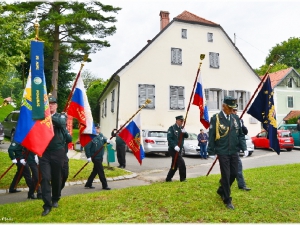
[(97, 169), (240, 177), (51, 168), (121, 152), (35, 178), (229, 169), (26, 174), (179, 164), (65, 172)]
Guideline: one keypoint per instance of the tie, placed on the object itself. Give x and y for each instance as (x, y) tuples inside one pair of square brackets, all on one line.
[(228, 118)]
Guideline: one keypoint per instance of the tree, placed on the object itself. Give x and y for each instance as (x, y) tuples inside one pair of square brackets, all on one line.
[(88, 78), (263, 69), (78, 25)]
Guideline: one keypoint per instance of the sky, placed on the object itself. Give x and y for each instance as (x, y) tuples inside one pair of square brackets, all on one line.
[(258, 25)]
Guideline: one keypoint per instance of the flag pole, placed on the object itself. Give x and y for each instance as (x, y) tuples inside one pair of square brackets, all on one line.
[(7, 171), (85, 57), (258, 87), (202, 56), (21, 170), (99, 150)]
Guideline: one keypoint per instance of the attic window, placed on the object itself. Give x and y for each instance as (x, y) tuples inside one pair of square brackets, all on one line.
[(210, 37), (184, 33), (290, 83)]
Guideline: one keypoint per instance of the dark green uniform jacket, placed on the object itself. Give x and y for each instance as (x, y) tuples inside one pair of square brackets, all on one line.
[(60, 132), (230, 135), (119, 141), (15, 151), (173, 136), (94, 145)]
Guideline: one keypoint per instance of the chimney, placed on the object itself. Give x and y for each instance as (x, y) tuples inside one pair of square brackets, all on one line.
[(164, 19)]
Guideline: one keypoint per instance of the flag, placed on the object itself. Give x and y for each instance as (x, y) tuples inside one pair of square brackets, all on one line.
[(131, 135), (80, 109), (199, 100), (263, 110), (34, 135)]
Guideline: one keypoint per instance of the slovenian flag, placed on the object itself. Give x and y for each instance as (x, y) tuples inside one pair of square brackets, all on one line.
[(199, 100), (131, 135), (80, 109), (34, 135)]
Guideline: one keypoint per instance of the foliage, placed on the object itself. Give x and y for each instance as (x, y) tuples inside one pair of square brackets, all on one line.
[(88, 78), (292, 120), (273, 199), (5, 110), (93, 93), (12, 87), (264, 68)]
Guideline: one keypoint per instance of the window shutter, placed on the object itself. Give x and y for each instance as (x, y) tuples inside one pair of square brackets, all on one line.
[(206, 91), (184, 33), (210, 37), (214, 60), (176, 56), (112, 109), (142, 94), (147, 91), (151, 96), (173, 97), (181, 97), (105, 107)]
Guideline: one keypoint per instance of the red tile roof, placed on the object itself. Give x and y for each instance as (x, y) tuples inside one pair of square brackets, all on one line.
[(192, 17), (277, 76), (292, 114)]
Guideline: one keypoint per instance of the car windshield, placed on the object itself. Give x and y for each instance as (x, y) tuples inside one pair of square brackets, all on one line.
[(192, 136), (157, 134), (286, 134)]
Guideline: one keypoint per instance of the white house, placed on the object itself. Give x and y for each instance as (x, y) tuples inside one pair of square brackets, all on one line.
[(165, 70)]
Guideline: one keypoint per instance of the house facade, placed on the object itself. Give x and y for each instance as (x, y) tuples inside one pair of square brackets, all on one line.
[(286, 85), (164, 71)]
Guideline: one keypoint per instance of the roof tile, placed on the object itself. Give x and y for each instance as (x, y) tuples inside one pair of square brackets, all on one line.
[(192, 17), (292, 114)]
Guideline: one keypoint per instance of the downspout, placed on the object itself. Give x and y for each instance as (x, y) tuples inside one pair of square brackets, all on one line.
[(117, 119)]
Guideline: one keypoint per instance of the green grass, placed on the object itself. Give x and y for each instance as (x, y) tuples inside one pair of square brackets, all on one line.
[(274, 198), (74, 165)]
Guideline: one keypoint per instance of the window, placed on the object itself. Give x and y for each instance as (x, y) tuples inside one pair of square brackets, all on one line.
[(102, 110), (105, 107), (176, 56), (214, 61), (112, 109), (177, 97), (213, 98), (290, 83), (147, 91), (241, 96), (210, 37), (290, 102), (184, 33)]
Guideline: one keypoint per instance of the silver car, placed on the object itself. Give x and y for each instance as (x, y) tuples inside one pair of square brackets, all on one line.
[(250, 145), (190, 146), (155, 141)]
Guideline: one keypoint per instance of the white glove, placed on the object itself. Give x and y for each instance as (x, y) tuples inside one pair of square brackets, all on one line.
[(36, 158), (14, 161), (177, 149), (183, 130), (23, 162), (212, 156), (246, 153), (89, 159), (108, 141)]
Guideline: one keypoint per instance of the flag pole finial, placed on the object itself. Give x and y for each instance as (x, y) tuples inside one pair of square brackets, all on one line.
[(36, 25), (202, 56)]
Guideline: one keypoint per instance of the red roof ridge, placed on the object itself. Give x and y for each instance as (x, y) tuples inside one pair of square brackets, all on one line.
[(185, 15)]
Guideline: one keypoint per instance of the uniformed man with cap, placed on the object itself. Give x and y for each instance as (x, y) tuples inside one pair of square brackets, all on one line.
[(173, 136), (225, 134), (52, 160)]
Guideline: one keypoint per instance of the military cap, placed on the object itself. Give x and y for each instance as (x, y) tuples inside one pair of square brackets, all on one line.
[(97, 125), (179, 117), (52, 99), (230, 101)]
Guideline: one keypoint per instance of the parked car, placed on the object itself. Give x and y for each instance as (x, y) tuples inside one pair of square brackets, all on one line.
[(155, 141), (293, 129), (284, 137), (250, 145), (10, 123), (1, 133), (190, 146)]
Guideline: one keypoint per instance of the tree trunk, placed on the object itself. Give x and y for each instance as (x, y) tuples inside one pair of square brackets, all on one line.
[(55, 62)]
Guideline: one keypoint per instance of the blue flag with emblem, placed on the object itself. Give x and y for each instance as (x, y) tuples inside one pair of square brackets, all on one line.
[(263, 110)]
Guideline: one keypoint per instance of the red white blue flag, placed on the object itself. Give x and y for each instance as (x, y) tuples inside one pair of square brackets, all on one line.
[(34, 135), (199, 100), (131, 135), (80, 109)]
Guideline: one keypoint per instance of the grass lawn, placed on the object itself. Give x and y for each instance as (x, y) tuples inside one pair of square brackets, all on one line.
[(74, 165), (274, 198)]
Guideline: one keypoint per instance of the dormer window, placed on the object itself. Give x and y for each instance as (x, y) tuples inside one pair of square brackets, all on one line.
[(290, 83)]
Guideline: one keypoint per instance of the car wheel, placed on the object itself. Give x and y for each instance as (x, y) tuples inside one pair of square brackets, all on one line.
[(255, 147), (12, 134), (183, 152), (289, 149), (250, 153)]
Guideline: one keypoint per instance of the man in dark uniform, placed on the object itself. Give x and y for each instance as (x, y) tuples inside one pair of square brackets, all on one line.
[(33, 162), (90, 149), (16, 153), (51, 163), (225, 134), (173, 136), (65, 170), (121, 151)]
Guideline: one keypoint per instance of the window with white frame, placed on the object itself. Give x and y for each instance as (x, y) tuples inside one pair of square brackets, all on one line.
[(184, 33), (210, 37), (214, 98), (176, 56), (102, 110), (146, 91), (112, 106), (290, 102), (290, 83), (177, 98), (241, 96), (214, 61)]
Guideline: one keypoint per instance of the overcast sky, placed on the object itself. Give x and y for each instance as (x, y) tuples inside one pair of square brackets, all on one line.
[(258, 25)]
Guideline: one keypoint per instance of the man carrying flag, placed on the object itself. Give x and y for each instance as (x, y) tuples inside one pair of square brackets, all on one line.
[(263, 110), (131, 135)]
